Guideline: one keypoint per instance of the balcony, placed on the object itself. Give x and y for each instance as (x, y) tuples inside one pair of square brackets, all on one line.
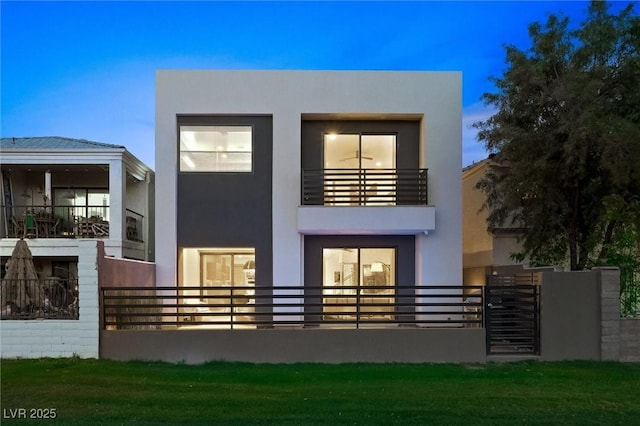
[(365, 201), (55, 221), (364, 187), (93, 193)]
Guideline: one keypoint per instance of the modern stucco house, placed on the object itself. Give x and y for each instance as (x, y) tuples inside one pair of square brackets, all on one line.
[(308, 178)]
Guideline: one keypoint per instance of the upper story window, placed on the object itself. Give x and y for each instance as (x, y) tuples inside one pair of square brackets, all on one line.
[(216, 148)]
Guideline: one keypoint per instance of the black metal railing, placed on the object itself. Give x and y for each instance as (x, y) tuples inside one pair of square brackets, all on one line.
[(300, 306), (43, 299), (364, 187), (134, 226), (55, 221)]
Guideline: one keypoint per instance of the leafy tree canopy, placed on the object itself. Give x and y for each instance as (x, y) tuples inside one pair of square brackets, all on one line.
[(566, 139)]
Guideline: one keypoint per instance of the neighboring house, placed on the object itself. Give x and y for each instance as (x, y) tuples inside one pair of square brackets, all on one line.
[(486, 250), (307, 179), (56, 191), (68, 198)]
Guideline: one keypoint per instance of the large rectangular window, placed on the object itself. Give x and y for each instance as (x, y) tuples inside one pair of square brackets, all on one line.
[(216, 148)]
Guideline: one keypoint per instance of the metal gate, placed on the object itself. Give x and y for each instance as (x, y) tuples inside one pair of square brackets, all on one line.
[(512, 319)]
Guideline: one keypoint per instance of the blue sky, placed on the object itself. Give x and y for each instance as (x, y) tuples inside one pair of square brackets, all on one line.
[(86, 69)]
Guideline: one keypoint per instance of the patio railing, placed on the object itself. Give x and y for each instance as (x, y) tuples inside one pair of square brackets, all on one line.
[(42, 299), (298, 306), (55, 221)]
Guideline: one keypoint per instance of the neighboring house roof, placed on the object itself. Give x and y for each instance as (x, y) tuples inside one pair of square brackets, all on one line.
[(53, 143), (474, 168)]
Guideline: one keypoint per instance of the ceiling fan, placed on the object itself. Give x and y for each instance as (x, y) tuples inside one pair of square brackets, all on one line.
[(356, 155)]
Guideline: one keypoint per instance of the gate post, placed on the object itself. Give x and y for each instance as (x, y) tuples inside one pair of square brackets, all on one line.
[(609, 278)]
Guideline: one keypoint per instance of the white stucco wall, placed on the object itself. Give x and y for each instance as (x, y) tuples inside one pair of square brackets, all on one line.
[(61, 338), (286, 95)]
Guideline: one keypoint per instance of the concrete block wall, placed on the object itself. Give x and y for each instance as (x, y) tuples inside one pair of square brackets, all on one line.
[(60, 338), (630, 340), (609, 314)]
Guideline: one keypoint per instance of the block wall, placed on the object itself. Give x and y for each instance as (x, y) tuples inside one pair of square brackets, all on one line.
[(609, 314), (630, 340)]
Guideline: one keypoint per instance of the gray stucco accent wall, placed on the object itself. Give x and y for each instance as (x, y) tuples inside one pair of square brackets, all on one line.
[(230, 209), (570, 316)]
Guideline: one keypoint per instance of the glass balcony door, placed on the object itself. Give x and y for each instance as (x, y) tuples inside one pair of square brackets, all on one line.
[(360, 165), (359, 283)]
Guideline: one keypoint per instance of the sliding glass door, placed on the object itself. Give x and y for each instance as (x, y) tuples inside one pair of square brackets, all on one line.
[(229, 274), (358, 283), (361, 166), (219, 284)]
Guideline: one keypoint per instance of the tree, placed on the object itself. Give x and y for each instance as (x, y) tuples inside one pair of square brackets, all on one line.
[(568, 128)]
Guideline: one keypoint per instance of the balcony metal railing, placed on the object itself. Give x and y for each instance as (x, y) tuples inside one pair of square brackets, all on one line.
[(364, 187), (55, 221), (302, 306), (43, 299)]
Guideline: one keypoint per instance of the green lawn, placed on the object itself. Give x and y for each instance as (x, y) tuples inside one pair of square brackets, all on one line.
[(106, 392)]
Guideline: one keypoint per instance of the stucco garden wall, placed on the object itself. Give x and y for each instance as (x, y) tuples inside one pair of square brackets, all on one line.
[(116, 272)]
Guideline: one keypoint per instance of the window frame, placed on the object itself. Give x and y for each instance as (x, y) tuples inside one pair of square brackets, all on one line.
[(360, 134), (210, 125), (232, 254), (86, 206)]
